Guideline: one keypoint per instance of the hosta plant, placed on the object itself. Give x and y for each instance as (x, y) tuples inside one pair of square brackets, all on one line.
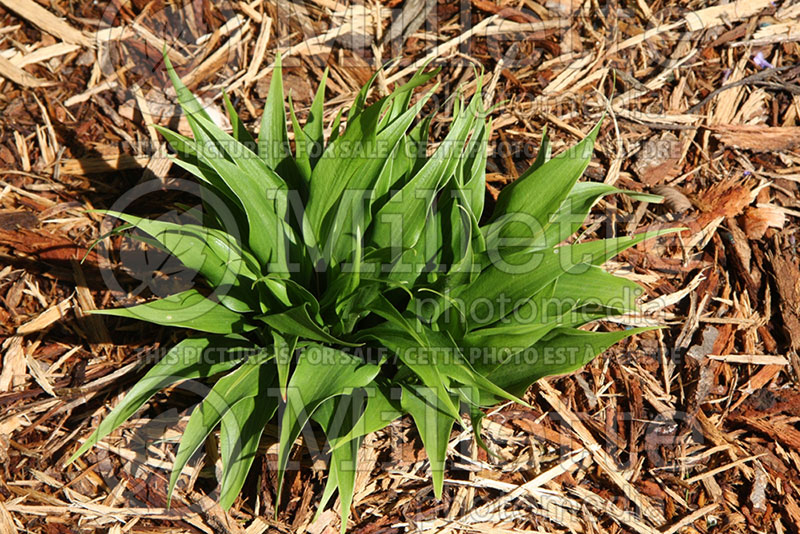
[(352, 276)]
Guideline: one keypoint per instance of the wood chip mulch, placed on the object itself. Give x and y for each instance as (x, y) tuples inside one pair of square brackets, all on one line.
[(692, 428)]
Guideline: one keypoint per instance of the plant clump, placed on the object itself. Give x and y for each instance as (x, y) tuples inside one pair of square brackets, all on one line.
[(352, 278)]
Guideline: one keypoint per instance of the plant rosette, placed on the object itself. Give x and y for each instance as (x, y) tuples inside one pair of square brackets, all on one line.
[(360, 280)]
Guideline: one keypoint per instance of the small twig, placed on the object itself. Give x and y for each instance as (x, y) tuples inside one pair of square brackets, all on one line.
[(744, 81)]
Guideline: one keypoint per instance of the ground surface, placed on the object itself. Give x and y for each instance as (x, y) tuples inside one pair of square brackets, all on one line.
[(692, 428)]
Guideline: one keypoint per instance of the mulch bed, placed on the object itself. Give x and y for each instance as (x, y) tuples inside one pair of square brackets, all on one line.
[(691, 428)]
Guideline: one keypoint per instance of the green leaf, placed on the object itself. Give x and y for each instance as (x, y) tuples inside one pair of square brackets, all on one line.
[(456, 255), (543, 154), (273, 139), (564, 222), (533, 197), (321, 373), (383, 307), (335, 128), (382, 408), (314, 125), (246, 381), (421, 360), (219, 147), (563, 302), (476, 417), (189, 160), (521, 275), (403, 94), (240, 433), (357, 108), (252, 184), (407, 162), (564, 351), (411, 205), (302, 145), (188, 102), (240, 132), (447, 357), (213, 253), (472, 172), (284, 355), (190, 359), (188, 309), (337, 417), (434, 424), (344, 179), (296, 321)]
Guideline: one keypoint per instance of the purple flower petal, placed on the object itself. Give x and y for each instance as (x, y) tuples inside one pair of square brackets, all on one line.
[(760, 62)]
